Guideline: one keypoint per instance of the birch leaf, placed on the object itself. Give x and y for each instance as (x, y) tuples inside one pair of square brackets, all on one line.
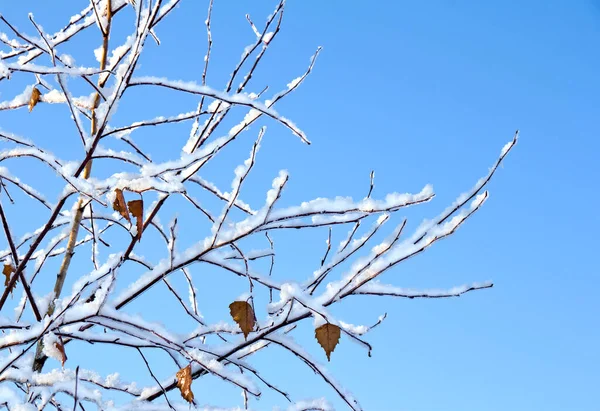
[(61, 349), (243, 314), (120, 205), (35, 97), (184, 383), (7, 271), (136, 208), (328, 335)]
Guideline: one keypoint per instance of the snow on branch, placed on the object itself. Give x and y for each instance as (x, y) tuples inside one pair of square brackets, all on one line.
[(375, 288), (235, 99)]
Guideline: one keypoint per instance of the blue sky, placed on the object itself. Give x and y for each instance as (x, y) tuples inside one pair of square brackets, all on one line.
[(420, 92)]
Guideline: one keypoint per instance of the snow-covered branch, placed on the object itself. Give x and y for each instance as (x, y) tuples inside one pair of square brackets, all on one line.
[(213, 235)]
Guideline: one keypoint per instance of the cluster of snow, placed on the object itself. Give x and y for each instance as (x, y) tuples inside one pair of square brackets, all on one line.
[(4, 70)]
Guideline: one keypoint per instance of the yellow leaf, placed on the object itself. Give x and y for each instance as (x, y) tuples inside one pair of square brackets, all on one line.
[(7, 271), (61, 348), (328, 335), (184, 383), (35, 97), (243, 314), (136, 208), (120, 205)]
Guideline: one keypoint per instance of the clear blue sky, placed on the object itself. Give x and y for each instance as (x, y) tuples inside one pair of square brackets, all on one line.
[(421, 92)]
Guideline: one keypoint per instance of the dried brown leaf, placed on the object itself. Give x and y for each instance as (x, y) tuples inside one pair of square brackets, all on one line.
[(243, 314), (61, 348), (136, 208), (328, 335), (7, 271), (184, 383), (120, 205), (35, 97)]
